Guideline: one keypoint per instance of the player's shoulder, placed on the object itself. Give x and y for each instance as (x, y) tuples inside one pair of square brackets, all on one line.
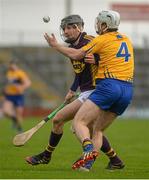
[(123, 37), (89, 37), (21, 72)]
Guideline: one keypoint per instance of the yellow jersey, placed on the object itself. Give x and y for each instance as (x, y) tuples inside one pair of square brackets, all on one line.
[(116, 56), (14, 78)]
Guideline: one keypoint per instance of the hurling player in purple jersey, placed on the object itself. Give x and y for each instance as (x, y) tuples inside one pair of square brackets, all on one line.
[(72, 33)]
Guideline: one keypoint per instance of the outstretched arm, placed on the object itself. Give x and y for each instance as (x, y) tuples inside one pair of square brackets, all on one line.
[(26, 83), (69, 52)]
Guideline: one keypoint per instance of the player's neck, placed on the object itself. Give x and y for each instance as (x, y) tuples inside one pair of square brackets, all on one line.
[(77, 40)]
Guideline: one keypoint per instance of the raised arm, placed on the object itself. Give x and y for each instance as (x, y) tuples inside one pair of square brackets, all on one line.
[(69, 52)]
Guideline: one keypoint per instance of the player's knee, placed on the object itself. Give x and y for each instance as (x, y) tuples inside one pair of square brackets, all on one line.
[(6, 113), (58, 118), (79, 120), (58, 127), (74, 126), (57, 122)]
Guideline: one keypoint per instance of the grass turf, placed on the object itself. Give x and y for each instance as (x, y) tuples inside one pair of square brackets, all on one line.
[(128, 137)]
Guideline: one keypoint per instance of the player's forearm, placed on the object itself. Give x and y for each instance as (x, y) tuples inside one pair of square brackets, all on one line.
[(75, 54), (70, 52), (26, 84)]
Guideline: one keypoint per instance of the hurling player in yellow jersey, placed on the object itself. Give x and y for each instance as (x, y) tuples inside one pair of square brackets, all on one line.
[(17, 83), (72, 33), (114, 89)]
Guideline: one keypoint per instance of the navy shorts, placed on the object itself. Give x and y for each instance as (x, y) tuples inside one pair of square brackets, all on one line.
[(17, 100), (112, 95)]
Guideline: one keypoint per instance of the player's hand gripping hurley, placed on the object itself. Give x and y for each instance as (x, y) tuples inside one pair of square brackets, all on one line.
[(21, 139)]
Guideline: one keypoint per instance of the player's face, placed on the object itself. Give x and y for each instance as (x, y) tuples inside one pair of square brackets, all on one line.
[(13, 67), (100, 28), (70, 32)]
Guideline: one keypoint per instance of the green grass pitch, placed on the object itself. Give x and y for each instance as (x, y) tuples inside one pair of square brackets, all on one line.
[(128, 137)]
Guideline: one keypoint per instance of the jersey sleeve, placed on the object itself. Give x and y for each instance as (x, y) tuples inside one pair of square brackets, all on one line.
[(23, 75), (97, 58), (94, 45), (75, 83)]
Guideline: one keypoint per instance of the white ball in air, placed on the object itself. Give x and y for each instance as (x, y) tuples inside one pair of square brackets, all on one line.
[(46, 19)]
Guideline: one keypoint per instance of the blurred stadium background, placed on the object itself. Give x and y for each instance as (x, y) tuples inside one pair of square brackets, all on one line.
[(21, 37)]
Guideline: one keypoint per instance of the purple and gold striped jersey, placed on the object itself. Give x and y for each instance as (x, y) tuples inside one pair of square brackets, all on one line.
[(84, 72), (116, 56)]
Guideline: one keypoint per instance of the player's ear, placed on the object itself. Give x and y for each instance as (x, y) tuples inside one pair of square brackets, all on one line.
[(78, 27), (74, 26), (104, 25)]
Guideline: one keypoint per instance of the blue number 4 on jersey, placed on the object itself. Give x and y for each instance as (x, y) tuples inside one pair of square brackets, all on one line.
[(123, 51)]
